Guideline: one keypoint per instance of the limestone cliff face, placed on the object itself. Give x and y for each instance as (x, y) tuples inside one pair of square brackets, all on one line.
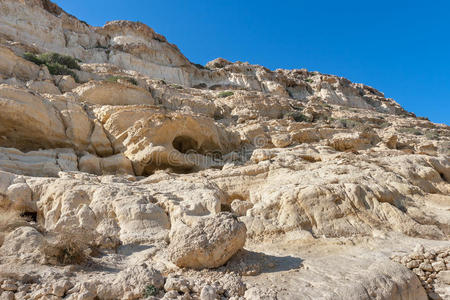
[(139, 165), (44, 27)]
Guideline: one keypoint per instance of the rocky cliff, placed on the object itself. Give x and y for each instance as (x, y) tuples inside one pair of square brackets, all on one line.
[(128, 172)]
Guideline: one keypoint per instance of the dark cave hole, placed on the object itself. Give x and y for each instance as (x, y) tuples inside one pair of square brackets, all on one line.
[(30, 216), (185, 144), (225, 207)]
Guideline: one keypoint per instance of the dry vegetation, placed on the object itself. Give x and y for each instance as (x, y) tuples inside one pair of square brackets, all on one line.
[(66, 249)]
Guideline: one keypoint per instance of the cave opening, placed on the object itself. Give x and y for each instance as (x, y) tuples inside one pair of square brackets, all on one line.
[(185, 144), (29, 215)]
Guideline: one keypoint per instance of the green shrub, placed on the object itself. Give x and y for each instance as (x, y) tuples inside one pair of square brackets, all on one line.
[(57, 64), (33, 58), (150, 290), (225, 94), (116, 78), (176, 86), (58, 69), (308, 80), (65, 60)]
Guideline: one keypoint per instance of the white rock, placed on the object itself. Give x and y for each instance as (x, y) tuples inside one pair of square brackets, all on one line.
[(208, 293), (207, 244)]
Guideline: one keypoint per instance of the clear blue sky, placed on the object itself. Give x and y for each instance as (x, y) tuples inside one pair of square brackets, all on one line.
[(402, 48)]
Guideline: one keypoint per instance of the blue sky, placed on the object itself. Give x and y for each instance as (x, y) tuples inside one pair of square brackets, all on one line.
[(401, 48)]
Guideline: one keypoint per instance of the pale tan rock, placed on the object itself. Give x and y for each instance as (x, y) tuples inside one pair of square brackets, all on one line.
[(208, 293), (100, 141), (38, 163), (240, 207), (350, 141), (428, 149), (438, 266), (24, 244), (9, 285), (391, 143), (133, 280), (7, 295), (444, 276), (207, 244), (116, 164), (177, 284), (111, 93), (281, 141), (124, 170), (426, 267), (66, 83), (36, 121), (12, 65), (43, 87), (20, 195), (90, 164)]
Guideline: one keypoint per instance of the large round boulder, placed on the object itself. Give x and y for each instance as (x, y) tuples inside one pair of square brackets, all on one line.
[(210, 243)]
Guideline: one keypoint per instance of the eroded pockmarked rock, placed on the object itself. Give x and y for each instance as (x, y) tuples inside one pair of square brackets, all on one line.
[(207, 244), (127, 176)]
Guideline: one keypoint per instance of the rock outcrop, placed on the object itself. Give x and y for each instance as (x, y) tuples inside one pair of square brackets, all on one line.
[(140, 174)]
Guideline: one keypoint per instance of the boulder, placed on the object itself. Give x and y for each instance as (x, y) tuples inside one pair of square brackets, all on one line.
[(66, 83), (133, 281), (25, 244), (43, 87), (208, 244)]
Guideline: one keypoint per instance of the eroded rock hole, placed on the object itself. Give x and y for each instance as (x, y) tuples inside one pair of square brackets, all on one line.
[(29, 215), (225, 207), (185, 144)]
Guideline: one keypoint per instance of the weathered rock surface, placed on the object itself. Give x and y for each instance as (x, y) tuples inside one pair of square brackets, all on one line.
[(145, 175), (207, 244), (111, 93)]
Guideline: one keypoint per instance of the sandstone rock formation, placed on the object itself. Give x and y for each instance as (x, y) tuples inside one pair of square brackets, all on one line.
[(209, 243), (144, 175)]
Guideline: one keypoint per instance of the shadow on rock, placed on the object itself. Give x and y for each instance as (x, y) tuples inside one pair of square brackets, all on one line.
[(249, 263)]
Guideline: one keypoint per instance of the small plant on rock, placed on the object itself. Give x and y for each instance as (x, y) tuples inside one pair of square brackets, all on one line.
[(58, 69), (225, 94), (66, 248), (57, 64), (150, 290), (65, 60), (176, 86), (33, 58)]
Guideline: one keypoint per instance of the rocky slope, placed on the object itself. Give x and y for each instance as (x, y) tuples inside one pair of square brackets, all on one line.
[(139, 174)]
